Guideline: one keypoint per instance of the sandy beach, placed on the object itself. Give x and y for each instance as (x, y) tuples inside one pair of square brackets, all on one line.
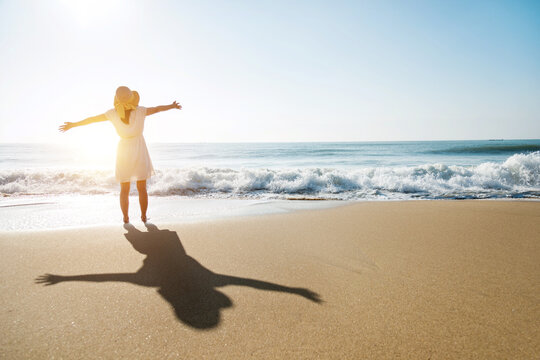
[(374, 280)]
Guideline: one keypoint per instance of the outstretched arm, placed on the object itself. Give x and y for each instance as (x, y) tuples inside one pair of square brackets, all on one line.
[(90, 120), (51, 279), (156, 109), (223, 280)]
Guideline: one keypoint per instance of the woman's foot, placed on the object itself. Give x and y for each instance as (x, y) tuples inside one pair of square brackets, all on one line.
[(126, 220), (144, 218)]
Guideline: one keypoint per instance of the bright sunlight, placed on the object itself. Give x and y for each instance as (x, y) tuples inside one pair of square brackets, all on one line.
[(85, 12)]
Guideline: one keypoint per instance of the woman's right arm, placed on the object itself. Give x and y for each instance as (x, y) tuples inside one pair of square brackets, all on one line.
[(90, 120), (156, 109)]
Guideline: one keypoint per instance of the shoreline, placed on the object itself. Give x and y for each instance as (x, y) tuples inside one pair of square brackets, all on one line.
[(49, 213), (65, 212)]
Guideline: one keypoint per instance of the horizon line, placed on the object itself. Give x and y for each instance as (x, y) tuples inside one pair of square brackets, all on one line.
[(286, 142)]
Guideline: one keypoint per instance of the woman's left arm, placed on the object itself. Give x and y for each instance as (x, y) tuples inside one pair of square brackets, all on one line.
[(156, 109)]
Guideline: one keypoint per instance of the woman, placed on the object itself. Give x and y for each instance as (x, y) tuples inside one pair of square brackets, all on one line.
[(132, 159)]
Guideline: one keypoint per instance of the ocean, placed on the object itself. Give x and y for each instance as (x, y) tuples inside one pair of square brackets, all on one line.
[(288, 171)]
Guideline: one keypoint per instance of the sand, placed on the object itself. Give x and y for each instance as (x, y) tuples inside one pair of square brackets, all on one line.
[(374, 280)]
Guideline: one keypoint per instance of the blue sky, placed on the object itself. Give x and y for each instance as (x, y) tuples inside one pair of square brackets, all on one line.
[(273, 71)]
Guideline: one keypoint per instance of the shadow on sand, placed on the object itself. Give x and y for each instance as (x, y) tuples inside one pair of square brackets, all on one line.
[(182, 281)]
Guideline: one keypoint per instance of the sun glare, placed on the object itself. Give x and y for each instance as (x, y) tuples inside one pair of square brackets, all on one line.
[(95, 147), (85, 12)]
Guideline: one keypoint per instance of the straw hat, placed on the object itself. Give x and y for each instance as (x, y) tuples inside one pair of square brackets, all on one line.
[(125, 99)]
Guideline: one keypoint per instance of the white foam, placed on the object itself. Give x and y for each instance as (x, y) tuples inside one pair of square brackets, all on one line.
[(518, 176)]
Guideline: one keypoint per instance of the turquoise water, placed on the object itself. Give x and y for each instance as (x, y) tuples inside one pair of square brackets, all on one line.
[(339, 155), (355, 170)]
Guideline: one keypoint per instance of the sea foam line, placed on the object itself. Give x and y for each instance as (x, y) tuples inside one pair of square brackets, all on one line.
[(519, 175)]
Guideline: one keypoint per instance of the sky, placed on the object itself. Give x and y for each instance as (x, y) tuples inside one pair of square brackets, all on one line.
[(260, 71)]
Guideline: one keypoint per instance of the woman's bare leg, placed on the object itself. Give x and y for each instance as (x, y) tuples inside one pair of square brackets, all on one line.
[(124, 200), (143, 198)]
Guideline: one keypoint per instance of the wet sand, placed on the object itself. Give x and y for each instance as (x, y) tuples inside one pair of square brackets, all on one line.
[(416, 279)]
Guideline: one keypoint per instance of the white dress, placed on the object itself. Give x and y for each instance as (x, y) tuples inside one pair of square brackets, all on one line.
[(132, 159)]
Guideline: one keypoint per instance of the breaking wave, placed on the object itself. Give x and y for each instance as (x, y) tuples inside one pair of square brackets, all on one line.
[(518, 176)]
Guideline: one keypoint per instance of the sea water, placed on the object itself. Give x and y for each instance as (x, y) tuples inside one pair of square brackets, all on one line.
[(339, 171)]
